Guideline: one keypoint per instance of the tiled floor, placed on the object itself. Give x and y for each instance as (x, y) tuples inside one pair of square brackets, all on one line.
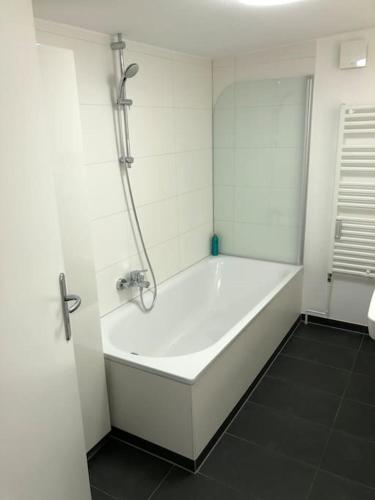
[(306, 432)]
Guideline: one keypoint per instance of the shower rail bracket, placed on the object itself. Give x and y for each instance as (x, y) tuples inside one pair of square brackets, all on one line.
[(126, 160), (124, 101)]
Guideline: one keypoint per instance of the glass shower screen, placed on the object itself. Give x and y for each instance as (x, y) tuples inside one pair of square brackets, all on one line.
[(260, 150)]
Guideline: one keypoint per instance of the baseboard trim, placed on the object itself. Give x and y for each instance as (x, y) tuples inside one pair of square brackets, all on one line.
[(187, 463), (153, 449), (99, 445), (343, 325)]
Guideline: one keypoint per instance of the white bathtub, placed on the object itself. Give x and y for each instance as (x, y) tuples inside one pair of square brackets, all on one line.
[(176, 373)]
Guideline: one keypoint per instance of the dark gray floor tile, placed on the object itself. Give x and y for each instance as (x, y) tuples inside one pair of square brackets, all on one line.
[(336, 356), (181, 485), (297, 400), (295, 437), (252, 469), (368, 345), (329, 487), (317, 376), (357, 419), (125, 472), (365, 364), (99, 495), (328, 335), (361, 388), (350, 457)]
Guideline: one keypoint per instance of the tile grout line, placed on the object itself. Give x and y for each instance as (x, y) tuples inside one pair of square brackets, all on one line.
[(221, 483), (143, 450), (272, 452), (319, 363), (153, 247), (301, 384), (332, 327), (149, 203), (349, 480), (325, 342), (247, 399), (109, 495), (282, 413), (161, 482), (332, 429)]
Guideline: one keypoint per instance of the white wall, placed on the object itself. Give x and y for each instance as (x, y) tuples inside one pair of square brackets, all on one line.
[(170, 125), (350, 297)]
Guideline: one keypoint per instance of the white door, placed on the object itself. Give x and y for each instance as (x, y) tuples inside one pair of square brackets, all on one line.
[(60, 93), (42, 454)]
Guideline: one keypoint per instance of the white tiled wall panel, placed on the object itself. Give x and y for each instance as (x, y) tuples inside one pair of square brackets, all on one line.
[(171, 129)]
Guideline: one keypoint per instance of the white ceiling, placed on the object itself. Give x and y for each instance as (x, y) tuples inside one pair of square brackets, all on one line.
[(211, 27)]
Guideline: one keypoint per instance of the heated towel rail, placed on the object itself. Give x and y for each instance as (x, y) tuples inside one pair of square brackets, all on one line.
[(353, 227)]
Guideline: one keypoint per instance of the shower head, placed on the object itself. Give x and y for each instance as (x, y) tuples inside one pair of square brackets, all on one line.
[(130, 71)]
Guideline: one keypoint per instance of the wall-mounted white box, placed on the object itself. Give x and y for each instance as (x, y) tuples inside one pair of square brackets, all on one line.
[(353, 54)]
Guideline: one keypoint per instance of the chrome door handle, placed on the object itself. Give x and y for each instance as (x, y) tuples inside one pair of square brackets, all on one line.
[(77, 302), (65, 299)]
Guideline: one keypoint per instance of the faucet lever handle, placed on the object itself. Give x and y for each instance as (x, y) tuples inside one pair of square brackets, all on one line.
[(138, 275)]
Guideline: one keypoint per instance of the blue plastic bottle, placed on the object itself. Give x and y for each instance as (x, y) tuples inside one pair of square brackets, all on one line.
[(215, 245)]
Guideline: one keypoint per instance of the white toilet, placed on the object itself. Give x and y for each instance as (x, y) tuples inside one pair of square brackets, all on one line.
[(371, 317)]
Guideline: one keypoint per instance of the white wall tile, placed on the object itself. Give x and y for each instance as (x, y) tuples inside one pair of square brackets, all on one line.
[(252, 205), (193, 129), (224, 170), (192, 85), (194, 209), (253, 239), (286, 167), (224, 127), (98, 132), (168, 177), (194, 170), (109, 296), (166, 259), (223, 86), (94, 66), (112, 239), (289, 121), (254, 167), (159, 221), (284, 206), (153, 178), (195, 245), (105, 191), (224, 203), (256, 93), (153, 84), (291, 91), (152, 131), (225, 231), (254, 127), (144, 178)]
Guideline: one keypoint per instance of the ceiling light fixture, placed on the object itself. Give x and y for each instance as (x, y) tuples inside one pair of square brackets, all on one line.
[(267, 3)]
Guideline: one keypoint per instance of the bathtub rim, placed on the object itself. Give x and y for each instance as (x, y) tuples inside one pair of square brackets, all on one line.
[(198, 361)]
